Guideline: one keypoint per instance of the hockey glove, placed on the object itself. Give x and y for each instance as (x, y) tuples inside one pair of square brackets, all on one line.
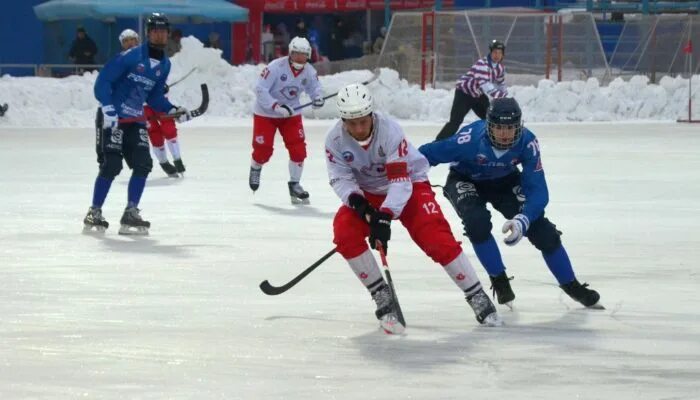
[(185, 114), (318, 103), (361, 207), (380, 230), (517, 228), (110, 119), (283, 110)]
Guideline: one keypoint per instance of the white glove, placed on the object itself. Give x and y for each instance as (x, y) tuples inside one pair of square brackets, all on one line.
[(185, 114), (517, 227), (110, 119), (283, 110), (318, 103)]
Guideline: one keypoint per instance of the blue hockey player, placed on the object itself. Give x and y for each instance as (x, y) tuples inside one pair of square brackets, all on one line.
[(126, 82), (485, 155)]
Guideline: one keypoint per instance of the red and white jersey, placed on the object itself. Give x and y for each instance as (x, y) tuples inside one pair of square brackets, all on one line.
[(279, 83), (387, 166), (484, 77)]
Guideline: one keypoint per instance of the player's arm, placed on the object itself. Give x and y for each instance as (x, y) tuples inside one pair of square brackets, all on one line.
[(156, 98), (400, 185), (533, 182), (110, 73), (264, 86), (452, 149)]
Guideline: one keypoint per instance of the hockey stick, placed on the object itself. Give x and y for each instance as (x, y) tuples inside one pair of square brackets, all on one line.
[(399, 313), (367, 82), (183, 78), (275, 290), (194, 113)]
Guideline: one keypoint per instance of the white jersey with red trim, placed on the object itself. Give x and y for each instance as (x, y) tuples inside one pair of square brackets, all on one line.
[(279, 83), (387, 166)]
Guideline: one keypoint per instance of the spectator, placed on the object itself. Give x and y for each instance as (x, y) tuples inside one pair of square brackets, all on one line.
[(83, 49), (214, 42), (379, 41), (268, 44), (282, 37), (338, 36), (300, 29), (174, 45)]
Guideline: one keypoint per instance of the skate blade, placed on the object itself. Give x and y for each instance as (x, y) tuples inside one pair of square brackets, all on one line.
[(88, 229), (492, 320), (509, 304), (133, 230), (297, 201), (391, 325), (173, 176), (596, 306)]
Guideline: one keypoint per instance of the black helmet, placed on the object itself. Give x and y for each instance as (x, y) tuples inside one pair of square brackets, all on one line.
[(497, 45), (157, 21), (504, 113)]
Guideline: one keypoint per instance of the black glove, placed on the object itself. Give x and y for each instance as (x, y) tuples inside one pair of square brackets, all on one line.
[(380, 230), (361, 206)]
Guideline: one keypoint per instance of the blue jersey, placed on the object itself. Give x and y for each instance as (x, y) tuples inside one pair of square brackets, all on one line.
[(131, 79), (472, 156)]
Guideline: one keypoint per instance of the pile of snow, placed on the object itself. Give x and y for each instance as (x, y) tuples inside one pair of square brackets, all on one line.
[(69, 102)]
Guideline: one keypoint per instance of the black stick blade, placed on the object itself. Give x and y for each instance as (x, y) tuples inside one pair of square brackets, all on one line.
[(271, 290)]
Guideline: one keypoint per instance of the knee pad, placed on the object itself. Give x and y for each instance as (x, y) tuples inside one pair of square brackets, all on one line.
[(297, 152), (111, 165), (477, 225), (143, 164), (544, 235)]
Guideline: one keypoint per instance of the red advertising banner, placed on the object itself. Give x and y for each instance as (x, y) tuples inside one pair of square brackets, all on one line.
[(351, 5), (315, 5), (280, 5)]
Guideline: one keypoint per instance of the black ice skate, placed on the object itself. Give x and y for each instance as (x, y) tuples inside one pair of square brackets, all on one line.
[(583, 294), (94, 219), (297, 193), (502, 290), (387, 310), (169, 170), (132, 223), (179, 166), (484, 309), (3, 109), (254, 178)]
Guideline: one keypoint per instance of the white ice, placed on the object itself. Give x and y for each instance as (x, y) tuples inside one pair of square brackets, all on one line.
[(178, 314)]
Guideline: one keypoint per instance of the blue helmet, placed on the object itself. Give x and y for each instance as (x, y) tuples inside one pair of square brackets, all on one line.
[(504, 123)]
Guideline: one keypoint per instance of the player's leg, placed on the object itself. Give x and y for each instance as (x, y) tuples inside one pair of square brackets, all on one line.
[(292, 131), (264, 129), (169, 130), (429, 229), (481, 105), (155, 135), (349, 236), (138, 157), (543, 234), (460, 107), (108, 146), (470, 206)]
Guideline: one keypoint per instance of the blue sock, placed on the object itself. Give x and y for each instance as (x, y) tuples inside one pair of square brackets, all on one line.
[(99, 193), (560, 265), (490, 257), (136, 185)]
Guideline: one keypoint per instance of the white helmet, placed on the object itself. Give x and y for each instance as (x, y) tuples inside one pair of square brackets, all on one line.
[(300, 45), (128, 34), (354, 101)]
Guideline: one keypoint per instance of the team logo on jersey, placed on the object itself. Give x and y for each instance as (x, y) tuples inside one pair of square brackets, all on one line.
[(290, 92), (481, 159), (515, 161), (140, 68), (348, 156), (283, 77)]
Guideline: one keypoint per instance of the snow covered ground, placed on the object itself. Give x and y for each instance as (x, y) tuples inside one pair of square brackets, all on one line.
[(178, 314), (69, 102)]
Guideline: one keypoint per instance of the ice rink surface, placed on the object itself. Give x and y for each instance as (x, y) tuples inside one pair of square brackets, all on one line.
[(178, 314)]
